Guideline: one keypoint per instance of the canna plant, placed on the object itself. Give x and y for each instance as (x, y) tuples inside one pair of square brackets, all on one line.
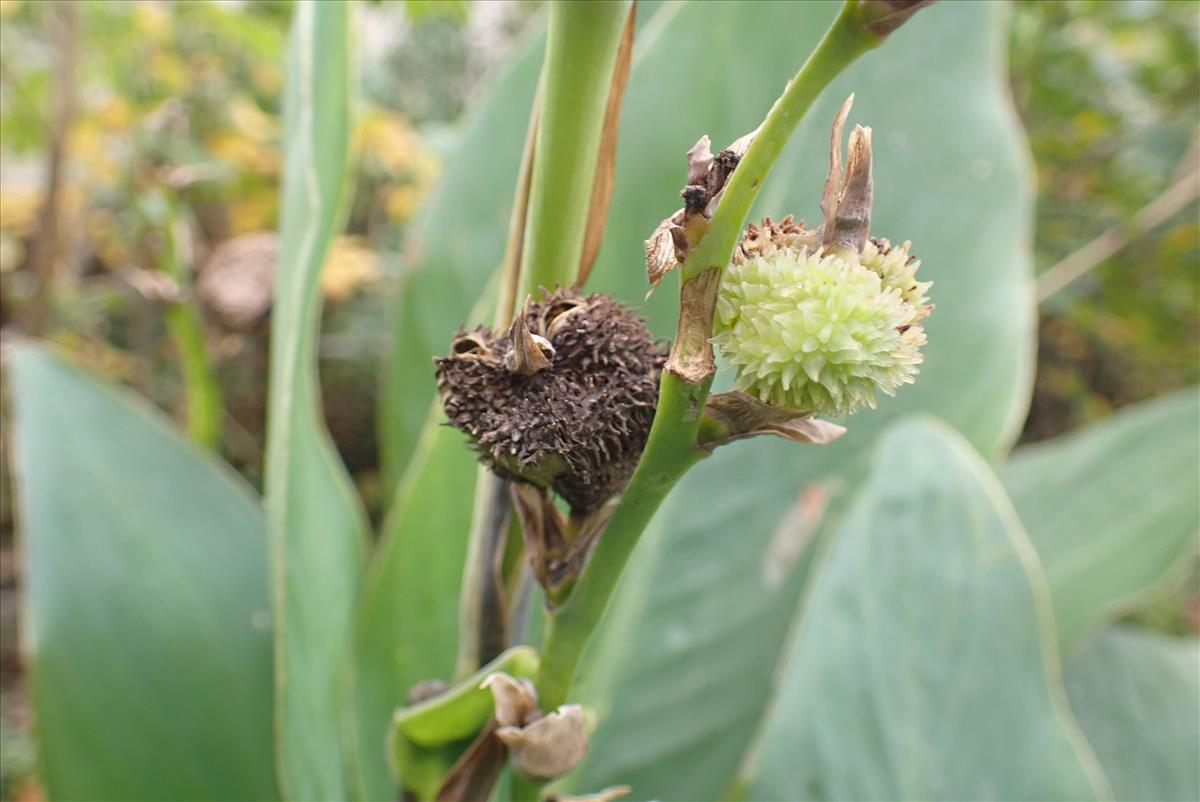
[(600, 579)]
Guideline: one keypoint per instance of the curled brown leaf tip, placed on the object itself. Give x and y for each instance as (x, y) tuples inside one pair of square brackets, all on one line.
[(675, 237)]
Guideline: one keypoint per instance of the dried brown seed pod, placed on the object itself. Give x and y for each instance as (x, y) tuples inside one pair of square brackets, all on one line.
[(568, 408)]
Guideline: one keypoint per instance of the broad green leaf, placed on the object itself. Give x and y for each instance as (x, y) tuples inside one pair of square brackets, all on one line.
[(950, 173), (924, 664), (680, 673), (1112, 508), (317, 529), (407, 625), (1136, 695), (147, 618)]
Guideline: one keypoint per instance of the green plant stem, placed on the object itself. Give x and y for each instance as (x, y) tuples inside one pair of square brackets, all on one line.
[(846, 40), (201, 389), (581, 51), (671, 448)]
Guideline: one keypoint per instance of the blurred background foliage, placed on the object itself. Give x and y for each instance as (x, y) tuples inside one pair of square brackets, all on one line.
[(121, 121), (1109, 93)]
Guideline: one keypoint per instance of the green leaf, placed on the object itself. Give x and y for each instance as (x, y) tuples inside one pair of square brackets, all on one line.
[(949, 174), (461, 711), (1136, 695), (145, 574), (1112, 508), (924, 664), (407, 626), (316, 525), (684, 661)]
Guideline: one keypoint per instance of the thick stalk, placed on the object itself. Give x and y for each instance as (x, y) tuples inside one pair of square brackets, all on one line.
[(671, 448), (670, 451), (581, 51)]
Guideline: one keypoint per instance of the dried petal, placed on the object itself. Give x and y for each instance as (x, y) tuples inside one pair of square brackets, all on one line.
[(613, 792), (550, 747), (530, 352), (852, 221), (516, 699), (699, 158), (662, 249), (833, 180), (737, 415)]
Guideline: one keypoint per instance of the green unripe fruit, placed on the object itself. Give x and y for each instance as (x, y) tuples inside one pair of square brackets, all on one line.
[(821, 330)]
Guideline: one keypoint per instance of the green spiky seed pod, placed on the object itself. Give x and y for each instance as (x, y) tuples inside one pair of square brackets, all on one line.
[(898, 268), (817, 329), (563, 400)]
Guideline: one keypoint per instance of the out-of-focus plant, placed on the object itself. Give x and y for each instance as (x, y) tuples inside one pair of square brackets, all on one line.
[(172, 149), (1110, 96), (616, 599)]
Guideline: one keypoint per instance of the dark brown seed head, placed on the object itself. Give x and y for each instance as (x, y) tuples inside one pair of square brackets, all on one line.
[(577, 426)]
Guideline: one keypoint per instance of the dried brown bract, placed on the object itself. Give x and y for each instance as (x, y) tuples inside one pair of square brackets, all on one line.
[(569, 407), (676, 236)]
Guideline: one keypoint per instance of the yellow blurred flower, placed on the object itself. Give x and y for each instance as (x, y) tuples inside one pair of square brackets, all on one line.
[(170, 73), (19, 208), (251, 121), (102, 231), (387, 137), (349, 266), (243, 153), (254, 212), (152, 20), (115, 114)]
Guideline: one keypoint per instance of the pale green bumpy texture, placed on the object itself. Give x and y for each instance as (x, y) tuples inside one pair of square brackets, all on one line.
[(822, 331)]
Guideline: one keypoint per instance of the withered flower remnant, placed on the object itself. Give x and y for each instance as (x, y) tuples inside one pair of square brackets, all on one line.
[(563, 400)]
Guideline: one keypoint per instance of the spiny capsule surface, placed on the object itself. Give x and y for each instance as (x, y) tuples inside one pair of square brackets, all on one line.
[(572, 415), (820, 329)]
